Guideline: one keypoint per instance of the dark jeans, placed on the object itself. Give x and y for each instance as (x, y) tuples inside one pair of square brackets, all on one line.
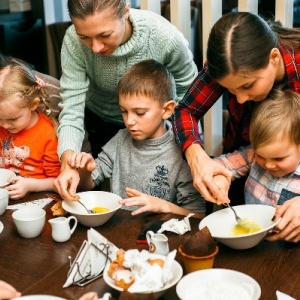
[(100, 132)]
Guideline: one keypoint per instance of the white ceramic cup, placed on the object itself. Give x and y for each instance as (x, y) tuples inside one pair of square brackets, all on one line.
[(3, 200), (29, 221), (61, 230), (158, 243)]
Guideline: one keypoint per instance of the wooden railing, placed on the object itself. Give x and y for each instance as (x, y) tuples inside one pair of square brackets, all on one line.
[(180, 17)]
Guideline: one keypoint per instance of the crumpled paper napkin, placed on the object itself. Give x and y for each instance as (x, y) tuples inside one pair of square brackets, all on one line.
[(177, 226), (282, 296), (35, 203)]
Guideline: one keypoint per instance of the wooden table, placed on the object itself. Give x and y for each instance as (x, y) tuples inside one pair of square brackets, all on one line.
[(40, 265)]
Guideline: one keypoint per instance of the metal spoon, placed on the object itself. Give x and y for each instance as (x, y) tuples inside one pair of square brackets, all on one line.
[(244, 222), (88, 210), (4, 185)]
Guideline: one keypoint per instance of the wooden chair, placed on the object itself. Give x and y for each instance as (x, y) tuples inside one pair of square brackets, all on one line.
[(57, 33)]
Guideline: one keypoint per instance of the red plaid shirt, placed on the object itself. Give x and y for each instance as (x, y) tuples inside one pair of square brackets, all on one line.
[(204, 92)]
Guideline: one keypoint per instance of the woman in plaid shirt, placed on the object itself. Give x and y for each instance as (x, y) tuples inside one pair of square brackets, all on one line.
[(246, 58)]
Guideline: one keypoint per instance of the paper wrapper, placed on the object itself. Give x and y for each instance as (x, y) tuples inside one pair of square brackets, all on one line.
[(200, 244), (35, 203), (177, 226)]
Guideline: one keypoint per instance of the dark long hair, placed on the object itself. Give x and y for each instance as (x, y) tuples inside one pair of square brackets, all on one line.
[(243, 41)]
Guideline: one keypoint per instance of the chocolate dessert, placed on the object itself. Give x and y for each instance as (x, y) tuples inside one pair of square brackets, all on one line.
[(200, 244)]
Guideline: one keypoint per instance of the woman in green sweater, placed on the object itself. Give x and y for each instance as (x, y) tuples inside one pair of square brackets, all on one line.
[(108, 37)]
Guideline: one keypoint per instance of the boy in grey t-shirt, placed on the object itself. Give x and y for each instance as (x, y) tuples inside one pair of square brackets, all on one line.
[(143, 162)]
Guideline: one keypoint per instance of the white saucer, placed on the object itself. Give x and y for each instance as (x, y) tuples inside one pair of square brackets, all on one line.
[(218, 284), (1, 226)]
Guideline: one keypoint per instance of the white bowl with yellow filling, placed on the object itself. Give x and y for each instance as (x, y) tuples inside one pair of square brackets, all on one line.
[(104, 204), (224, 228)]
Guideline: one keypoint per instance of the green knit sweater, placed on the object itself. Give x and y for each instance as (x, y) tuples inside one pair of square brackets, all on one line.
[(90, 79)]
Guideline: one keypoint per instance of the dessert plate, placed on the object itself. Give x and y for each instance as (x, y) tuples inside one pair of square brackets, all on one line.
[(176, 271), (218, 284), (1, 226)]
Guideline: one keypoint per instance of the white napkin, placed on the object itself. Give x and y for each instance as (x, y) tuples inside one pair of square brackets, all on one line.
[(90, 261), (174, 225), (35, 203), (98, 260), (282, 296)]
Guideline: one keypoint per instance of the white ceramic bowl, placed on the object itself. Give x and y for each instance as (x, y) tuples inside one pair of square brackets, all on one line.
[(90, 200), (5, 174), (176, 270), (218, 284), (222, 222), (4, 198)]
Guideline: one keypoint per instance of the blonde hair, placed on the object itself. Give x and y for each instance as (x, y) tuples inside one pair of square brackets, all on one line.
[(18, 80), (276, 118)]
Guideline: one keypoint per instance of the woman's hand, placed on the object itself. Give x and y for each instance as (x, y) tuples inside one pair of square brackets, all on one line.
[(288, 228), (203, 169), (147, 202), (7, 291), (67, 181)]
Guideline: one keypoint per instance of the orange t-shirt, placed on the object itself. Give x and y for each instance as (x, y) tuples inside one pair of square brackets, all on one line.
[(31, 152)]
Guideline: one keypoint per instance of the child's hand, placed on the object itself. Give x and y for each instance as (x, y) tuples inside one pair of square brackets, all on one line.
[(82, 160), (147, 202), (288, 228), (223, 184), (18, 188), (7, 291)]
